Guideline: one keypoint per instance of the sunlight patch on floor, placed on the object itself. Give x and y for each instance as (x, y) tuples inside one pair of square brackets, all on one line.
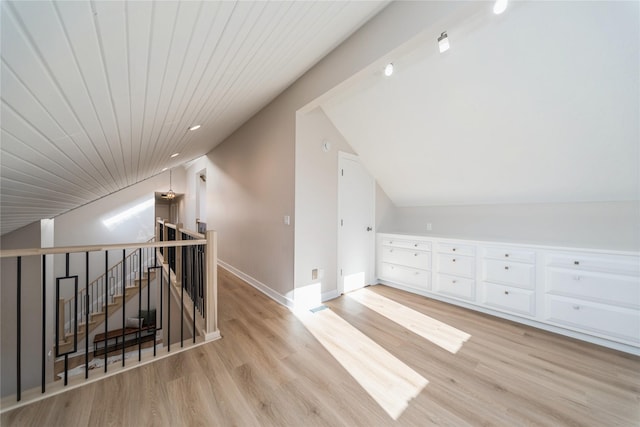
[(439, 333), (389, 381)]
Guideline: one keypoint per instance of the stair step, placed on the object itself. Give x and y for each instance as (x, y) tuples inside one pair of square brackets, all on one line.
[(70, 336), (91, 323), (112, 304), (95, 315)]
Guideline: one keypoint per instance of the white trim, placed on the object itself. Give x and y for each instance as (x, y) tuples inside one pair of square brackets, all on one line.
[(326, 296), (212, 336), (277, 297)]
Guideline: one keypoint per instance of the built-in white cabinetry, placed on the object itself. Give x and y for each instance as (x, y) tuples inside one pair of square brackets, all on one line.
[(594, 294), (588, 294), (509, 279), (405, 262), (455, 275)]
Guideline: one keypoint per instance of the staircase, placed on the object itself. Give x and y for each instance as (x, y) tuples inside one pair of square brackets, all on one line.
[(106, 294), (96, 318)]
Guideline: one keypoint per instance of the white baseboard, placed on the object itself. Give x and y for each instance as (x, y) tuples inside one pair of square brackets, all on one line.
[(277, 297), (326, 296), (212, 336)]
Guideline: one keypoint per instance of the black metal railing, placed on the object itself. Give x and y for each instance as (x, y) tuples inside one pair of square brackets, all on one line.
[(193, 272), (171, 251), (84, 308)]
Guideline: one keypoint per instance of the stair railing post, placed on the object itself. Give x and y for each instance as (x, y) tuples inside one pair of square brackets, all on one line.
[(179, 281), (211, 289), (178, 251)]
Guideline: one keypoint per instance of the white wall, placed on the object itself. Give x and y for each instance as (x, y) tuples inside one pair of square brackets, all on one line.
[(89, 224), (599, 225), (250, 176), (191, 190), (31, 311), (514, 112), (316, 200)]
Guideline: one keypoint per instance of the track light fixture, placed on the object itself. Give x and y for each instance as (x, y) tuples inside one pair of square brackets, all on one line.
[(443, 42)]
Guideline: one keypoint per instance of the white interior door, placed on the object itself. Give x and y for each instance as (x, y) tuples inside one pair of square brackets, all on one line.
[(356, 236)]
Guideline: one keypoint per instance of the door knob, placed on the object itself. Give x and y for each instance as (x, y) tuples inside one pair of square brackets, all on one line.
[(369, 228)]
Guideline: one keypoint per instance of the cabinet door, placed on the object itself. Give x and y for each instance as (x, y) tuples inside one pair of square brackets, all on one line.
[(457, 265), (456, 249), (407, 244), (510, 254), (592, 317), (411, 277), (509, 299), (600, 287), (409, 258), (510, 273), (455, 286), (617, 264)]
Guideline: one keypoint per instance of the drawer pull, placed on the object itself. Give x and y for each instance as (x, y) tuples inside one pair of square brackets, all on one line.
[(454, 249), (576, 307), (506, 292), (506, 267), (506, 255), (417, 272), (576, 262), (454, 281), (454, 260), (415, 254), (415, 245)]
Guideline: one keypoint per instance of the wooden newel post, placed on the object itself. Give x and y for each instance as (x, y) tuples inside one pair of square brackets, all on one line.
[(211, 300)]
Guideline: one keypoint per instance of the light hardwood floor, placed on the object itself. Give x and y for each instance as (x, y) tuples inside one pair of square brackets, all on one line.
[(269, 370)]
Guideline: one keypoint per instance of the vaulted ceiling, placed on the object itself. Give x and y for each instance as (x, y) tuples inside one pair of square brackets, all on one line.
[(96, 96), (537, 105)]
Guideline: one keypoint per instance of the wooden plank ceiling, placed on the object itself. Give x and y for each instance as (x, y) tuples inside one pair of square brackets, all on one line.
[(96, 96)]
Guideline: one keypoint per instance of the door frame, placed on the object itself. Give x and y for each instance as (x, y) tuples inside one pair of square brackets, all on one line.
[(342, 155)]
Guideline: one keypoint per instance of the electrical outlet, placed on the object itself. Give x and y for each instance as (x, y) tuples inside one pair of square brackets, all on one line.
[(429, 226)]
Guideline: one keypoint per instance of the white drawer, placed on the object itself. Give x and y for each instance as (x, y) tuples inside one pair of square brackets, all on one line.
[(621, 264), (510, 273), (455, 264), (510, 254), (597, 318), (411, 277), (456, 286), (407, 244), (452, 248), (600, 287), (416, 259), (510, 299)]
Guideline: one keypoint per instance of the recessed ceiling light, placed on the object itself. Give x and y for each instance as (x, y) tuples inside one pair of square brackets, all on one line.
[(175, 155), (443, 42), (388, 70), (500, 6), (194, 127)]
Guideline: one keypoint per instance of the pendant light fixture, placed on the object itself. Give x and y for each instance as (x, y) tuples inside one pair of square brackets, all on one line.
[(170, 194)]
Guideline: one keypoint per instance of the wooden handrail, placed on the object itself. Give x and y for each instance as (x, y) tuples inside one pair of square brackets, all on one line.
[(97, 248), (194, 234)]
